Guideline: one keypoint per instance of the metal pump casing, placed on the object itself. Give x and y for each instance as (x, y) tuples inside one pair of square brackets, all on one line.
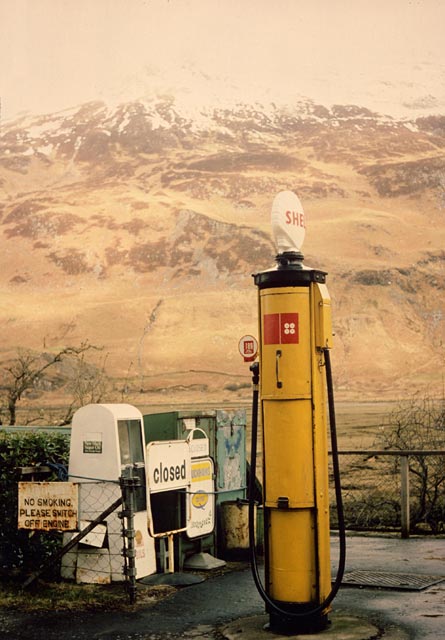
[(294, 328)]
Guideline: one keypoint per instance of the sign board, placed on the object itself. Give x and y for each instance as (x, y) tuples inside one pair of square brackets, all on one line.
[(46, 506), (144, 546), (288, 222), (248, 348), (168, 465), (96, 537), (189, 423), (199, 447), (201, 518), (92, 442)]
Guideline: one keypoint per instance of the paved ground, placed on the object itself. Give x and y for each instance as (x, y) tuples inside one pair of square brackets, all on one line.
[(229, 606)]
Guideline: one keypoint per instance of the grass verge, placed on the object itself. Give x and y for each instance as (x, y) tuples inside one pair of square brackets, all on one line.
[(67, 596)]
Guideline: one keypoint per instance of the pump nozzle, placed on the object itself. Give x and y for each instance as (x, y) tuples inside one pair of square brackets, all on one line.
[(255, 369)]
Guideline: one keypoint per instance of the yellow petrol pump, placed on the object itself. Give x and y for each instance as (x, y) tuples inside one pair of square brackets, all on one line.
[(295, 338)]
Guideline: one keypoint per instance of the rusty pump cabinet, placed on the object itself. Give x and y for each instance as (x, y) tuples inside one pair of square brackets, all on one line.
[(295, 338)]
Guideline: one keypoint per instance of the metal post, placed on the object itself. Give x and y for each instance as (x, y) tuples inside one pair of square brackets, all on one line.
[(404, 495), (128, 484)]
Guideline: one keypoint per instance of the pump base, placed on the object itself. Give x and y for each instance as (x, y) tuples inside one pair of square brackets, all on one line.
[(300, 624)]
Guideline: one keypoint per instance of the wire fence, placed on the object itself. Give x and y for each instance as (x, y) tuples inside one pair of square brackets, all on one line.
[(100, 550), (98, 558), (392, 490), (382, 491)]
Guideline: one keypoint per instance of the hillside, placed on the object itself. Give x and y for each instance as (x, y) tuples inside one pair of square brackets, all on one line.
[(138, 228)]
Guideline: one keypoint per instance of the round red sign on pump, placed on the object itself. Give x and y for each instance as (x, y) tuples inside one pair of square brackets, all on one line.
[(248, 348)]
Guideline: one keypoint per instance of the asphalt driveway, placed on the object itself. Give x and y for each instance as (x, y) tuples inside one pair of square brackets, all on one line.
[(201, 611)]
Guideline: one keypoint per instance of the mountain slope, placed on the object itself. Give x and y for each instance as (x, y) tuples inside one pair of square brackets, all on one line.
[(139, 227)]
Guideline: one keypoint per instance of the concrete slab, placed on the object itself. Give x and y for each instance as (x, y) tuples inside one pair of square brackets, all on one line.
[(342, 627), (203, 562)]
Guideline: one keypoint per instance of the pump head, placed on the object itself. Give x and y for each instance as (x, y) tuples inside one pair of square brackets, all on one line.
[(288, 223)]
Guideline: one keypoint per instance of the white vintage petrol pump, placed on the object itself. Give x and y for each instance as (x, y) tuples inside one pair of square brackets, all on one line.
[(295, 338), (107, 439)]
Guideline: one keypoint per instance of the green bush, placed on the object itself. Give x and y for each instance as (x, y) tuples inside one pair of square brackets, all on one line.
[(19, 548)]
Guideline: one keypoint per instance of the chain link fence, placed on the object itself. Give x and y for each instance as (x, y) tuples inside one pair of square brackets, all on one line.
[(100, 551), (98, 558), (380, 489)]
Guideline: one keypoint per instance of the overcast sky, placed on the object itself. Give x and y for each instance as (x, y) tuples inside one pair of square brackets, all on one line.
[(60, 53)]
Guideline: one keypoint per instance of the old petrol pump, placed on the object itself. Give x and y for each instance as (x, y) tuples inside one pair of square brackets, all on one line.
[(107, 440), (295, 338)]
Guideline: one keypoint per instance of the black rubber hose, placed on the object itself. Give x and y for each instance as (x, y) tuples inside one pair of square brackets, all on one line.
[(336, 470), (253, 452), (341, 521)]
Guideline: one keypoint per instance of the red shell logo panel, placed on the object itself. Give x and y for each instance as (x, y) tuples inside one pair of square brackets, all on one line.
[(281, 328)]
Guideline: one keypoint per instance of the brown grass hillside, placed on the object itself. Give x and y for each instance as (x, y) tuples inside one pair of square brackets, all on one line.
[(143, 238)]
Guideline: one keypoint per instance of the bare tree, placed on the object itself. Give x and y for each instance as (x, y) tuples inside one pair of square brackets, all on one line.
[(89, 384), (29, 371), (147, 328), (417, 425)]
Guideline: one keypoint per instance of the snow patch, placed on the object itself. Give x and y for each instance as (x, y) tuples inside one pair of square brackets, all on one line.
[(39, 131), (411, 127), (46, 149), (158, 122), (125, 122)]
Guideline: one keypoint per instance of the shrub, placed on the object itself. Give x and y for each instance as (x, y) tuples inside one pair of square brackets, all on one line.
[(23, 549), (419, 425)]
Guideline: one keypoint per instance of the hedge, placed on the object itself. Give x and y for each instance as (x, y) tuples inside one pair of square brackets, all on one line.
[(22, 550)]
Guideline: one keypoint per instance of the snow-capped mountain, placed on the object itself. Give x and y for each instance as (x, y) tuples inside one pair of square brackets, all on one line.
[(109, 211)]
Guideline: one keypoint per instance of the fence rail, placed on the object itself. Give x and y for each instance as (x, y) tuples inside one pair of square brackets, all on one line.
[(393, 489)]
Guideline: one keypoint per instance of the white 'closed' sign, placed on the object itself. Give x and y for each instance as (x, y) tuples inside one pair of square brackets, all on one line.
[(168, 465)]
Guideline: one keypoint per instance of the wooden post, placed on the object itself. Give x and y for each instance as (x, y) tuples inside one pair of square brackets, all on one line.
[(171, 553), (404, 495)]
